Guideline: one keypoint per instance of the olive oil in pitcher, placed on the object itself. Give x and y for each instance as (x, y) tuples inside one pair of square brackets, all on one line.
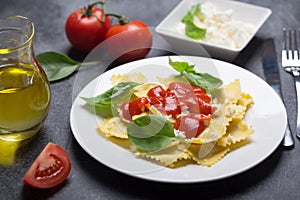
[(24, 88)]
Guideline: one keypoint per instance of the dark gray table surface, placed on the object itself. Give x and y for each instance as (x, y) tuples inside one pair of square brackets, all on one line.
[(277, 177)]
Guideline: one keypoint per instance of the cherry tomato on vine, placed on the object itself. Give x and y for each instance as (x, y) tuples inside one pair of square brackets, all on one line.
[(50, 168), (86, 27), (128, 40)]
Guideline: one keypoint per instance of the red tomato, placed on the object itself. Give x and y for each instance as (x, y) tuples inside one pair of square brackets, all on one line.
[(157, 91), (129, 41), (204, 97), (124, 110), (164, 100), (135, 107), (172, 106), (84, 28), (205, 108), (181, 90), (158, 102), (195, 98), (49, 169), (192, 124), (198, 90)]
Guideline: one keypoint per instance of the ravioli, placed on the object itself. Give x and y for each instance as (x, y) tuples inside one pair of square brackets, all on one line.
[(134, 77), (237, 131), (113, 127), (226, 130), (167, 155), (207, 157)]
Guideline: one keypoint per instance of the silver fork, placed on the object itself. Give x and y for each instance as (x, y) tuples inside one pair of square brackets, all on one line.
[(291, 63)]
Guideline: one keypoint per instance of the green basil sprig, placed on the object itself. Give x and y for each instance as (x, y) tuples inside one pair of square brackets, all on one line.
[(106, 103), (58, 66), (191, 30), (203, 80), (150, 132)]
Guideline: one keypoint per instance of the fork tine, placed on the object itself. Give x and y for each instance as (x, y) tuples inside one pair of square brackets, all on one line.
[(294, 44), (284, 42), (284, 53), (290, 50), (296, 52), (290, 45), (290, 40)]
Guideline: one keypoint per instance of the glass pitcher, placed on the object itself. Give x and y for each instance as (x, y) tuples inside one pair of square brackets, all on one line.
[(24, 88)]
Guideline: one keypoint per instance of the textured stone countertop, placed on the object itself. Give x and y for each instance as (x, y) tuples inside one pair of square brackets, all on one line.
[(276, 177)]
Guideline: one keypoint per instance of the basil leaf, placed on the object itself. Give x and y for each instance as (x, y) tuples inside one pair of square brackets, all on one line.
[(181, 66), (106, 103), (191, 30), (203, 80), (57, 65), (150, 132), (194, 32), (189, 16)]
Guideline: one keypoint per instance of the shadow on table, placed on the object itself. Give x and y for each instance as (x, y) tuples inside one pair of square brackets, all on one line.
[(30, 193), (251, 49)]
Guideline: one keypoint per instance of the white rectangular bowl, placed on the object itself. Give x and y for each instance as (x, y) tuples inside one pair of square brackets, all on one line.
[(171, 28)]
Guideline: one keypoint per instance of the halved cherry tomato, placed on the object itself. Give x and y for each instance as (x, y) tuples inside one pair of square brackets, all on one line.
[(204, 97), (157, 91), (50, 168), (205, 108), (158, 103), (172, 105), (181, 90), (135, 107), (192, 124), (164, 100), (85, 28), (128, 41), (195, 98), (198, 90)]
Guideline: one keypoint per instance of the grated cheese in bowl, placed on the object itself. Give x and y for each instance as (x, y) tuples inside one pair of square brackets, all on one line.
[(221, 28)]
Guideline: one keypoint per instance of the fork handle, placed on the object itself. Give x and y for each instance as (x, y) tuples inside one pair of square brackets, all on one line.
[(297, 83)]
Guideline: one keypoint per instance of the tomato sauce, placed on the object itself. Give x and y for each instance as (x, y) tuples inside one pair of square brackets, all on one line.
[(171, 102)]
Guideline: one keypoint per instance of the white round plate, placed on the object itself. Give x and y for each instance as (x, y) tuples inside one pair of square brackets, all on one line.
[(267, 117)]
